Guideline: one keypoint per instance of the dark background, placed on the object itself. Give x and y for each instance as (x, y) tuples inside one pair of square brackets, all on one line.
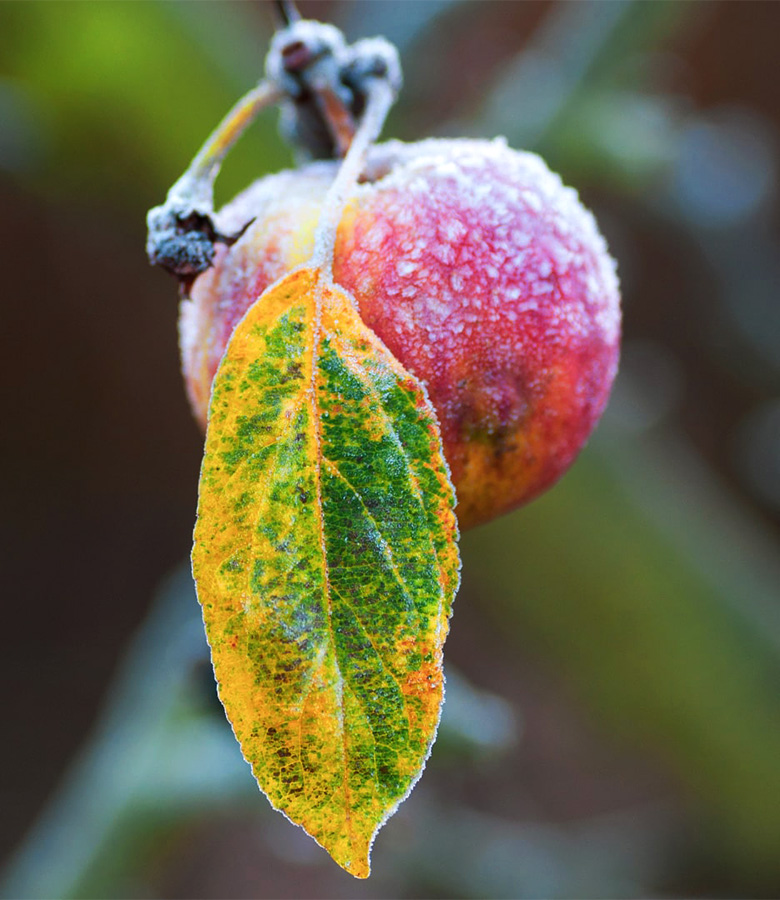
[(615, 650)]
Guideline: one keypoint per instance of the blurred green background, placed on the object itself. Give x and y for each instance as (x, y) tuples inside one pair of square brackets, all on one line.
[(612, 726)]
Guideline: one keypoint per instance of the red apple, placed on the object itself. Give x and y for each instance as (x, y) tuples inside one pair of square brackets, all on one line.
[(480, 271)]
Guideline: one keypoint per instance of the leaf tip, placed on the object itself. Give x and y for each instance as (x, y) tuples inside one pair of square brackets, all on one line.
[(359, 866)]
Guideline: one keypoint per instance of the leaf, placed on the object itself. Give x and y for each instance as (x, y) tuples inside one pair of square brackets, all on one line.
[(325, 561)]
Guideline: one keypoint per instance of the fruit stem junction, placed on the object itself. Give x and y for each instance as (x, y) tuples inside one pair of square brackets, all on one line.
[(331, 93)]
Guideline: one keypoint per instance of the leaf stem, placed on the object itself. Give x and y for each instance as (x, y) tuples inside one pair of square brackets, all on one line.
[(197, 183), (182, 232), (379, 99), (286, 12)]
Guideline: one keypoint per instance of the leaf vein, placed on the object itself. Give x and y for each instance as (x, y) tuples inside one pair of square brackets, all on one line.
[(383, 544)]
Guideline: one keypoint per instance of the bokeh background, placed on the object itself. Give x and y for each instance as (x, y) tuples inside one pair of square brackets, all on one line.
[(613, 718)]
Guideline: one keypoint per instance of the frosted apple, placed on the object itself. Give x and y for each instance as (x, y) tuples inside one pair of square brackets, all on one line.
[(479, 270)]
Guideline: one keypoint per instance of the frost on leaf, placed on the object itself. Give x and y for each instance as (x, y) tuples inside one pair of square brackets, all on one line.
[(325, 562)]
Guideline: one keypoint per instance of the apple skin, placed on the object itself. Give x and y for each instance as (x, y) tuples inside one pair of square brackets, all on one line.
[(482, 274)]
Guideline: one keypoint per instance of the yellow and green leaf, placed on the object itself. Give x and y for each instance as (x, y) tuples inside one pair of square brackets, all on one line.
[(325, 561)]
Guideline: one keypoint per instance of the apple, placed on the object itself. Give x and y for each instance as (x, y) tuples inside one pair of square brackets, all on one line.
[(482, 274)]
